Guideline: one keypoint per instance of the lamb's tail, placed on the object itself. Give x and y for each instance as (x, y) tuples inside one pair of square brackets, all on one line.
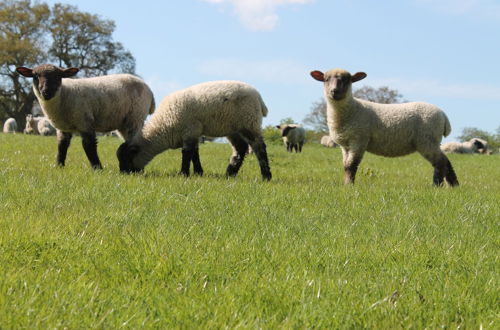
[(447, 126), (263, 107), (152, 106)]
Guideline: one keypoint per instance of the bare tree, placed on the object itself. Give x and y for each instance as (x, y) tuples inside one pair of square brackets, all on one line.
[(316, 118)]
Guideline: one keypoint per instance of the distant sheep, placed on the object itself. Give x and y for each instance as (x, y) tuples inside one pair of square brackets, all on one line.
[(327, 141), (473, 146), (10, 126), (221, 108), (89, 105), (38, 126), (293, 136), (389, 130)]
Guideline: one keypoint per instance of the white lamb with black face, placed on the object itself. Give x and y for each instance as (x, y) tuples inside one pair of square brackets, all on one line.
[(293, 136), (89, 105), (473, 146), (389, 130), (220, 108)]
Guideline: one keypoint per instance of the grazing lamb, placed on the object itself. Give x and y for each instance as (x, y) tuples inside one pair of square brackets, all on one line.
[(473, 146), (327, 141), (38, 126), (221, 108), (10, 126), (389, 130), (293, 136), (89, 105)]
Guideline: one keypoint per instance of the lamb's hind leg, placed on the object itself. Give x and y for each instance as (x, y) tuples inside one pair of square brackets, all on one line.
[(89, 142), (259, 148), (197, 168), (240, 148), (442, 167), (63, 142)]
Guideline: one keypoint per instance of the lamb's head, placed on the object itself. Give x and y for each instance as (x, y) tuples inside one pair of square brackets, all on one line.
[(47, 78), (285, 128), (337, 82), (126, 154), (481, 145)]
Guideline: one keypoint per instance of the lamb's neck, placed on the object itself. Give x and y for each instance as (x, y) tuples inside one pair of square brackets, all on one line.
[(343, 110), (150, 143)]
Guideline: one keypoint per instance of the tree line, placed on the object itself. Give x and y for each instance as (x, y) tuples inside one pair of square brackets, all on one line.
[(33, 33)]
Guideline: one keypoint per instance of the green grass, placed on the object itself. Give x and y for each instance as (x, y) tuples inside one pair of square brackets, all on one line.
[(86, 249)]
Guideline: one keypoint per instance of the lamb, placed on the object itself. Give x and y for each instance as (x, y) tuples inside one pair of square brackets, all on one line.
[(220, 108), (473, 146), (89, 105), (10, 126), (38, 126), (293, 136), (389, 130), (327, 141)]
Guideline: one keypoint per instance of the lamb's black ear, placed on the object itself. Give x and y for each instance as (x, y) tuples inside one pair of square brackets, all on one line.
[(278, 126), (25, 71), (286, 130), (70, 72), (358, 76), (318, 75)]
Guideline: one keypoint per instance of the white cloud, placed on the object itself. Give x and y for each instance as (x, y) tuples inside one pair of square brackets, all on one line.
[(258, 15), (274, 71), (475, 8)]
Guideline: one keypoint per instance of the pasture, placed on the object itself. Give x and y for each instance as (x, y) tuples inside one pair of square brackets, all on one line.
[(86, 249)]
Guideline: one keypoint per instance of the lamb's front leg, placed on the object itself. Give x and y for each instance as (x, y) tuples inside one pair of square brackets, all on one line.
[(89, 142), (63, 142), (351, 159), (189, 148)]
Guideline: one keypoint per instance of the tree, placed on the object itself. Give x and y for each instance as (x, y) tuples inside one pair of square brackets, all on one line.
[(22, 40), (380, 95), (317, 117), (31, 34), (84, 40)]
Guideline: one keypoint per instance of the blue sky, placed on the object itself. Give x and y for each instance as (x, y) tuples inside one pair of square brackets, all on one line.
[(446, 52)]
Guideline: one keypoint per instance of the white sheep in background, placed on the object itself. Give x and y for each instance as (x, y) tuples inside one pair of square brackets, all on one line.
[(473, 146), (293, 136), (10, 126), (38, 126), (221, 108), (89, 105), (327, 141), (389, 130)]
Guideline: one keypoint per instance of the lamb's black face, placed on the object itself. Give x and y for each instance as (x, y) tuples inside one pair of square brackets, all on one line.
[(47, 78), (126, 154)]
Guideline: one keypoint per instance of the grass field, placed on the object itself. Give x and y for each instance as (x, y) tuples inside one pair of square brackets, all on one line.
[(85, 249)]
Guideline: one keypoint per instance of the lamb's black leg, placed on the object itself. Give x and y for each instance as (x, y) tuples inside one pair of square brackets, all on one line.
[(450, 176), (259, 149), (89, 142), (198, 170), (289, 147), (240, 148), (188, 150), (63, 142)]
